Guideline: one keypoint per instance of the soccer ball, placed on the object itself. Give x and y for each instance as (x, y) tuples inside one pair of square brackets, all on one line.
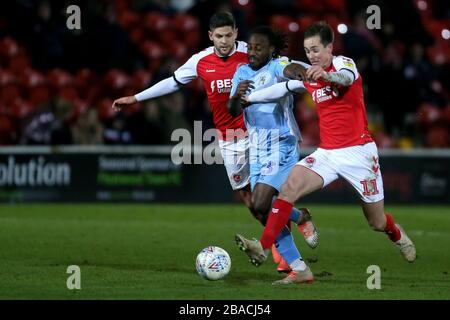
[(213, 263)]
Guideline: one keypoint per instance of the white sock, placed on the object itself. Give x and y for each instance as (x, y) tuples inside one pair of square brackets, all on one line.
[(298, 265)]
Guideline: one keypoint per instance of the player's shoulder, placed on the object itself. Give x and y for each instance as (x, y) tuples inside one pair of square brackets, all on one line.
[(283, 60), (343, 62), (203, 54), (242, 67)]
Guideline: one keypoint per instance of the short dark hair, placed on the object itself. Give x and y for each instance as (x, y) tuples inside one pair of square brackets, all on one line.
[(321, 29), (222, 19), (276, 38)]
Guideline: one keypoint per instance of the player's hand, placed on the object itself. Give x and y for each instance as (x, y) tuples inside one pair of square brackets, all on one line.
[(123, 102), (316, 73), (295, 71), (243, 87), (244, 102)]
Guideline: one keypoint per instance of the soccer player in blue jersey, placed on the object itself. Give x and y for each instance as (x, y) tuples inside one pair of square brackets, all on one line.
[(274, 138)]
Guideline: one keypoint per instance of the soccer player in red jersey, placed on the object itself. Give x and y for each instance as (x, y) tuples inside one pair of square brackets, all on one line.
[(346, 147), (216, 66)]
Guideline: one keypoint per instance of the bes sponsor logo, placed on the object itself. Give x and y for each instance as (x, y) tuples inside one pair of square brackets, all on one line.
[(324, 94), (221, 86)]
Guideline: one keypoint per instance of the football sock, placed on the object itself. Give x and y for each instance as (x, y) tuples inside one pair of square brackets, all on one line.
[(278, 217), (391, 229), (298, 265), (295, 215), (286, 246)]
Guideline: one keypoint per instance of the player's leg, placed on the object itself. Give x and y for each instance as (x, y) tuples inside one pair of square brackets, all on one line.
[(284, 243), (310, 174), (246, 197), (360, 167), (262, 199), (236, 160), (381, 221), (301, 181)]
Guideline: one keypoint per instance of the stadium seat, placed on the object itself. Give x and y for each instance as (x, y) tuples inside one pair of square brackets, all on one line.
[(179, 50), (427, 114), (137, 34), (438, 137), (152, 49), (141, 80), (85, 78), (116, 79), (105, 111), (9, 93), (128, 19), (185, 23), (22, 108), (68, 93), (281, 22), (59, 78), (6, 77), (156, 22), (39, 95), (31, 78), (19, 62), (8, 47)]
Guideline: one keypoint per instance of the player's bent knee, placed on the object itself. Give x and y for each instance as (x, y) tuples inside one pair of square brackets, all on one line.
[(377, 225), (261, 207)]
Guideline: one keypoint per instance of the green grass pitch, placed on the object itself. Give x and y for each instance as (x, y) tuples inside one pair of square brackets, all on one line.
[(149, 251)]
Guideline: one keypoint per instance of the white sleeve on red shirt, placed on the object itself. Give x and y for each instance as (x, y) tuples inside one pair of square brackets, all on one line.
[(188, 71), (341, 63), (162, 88)]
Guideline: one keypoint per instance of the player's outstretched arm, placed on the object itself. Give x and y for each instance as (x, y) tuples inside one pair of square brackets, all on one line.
[(275, 92), (162, 88)]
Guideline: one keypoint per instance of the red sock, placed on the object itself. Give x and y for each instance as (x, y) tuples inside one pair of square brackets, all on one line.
[(278, 217), (391, 229)]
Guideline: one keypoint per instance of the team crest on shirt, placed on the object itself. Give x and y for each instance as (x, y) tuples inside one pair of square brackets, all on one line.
[(310, 161), (262, 79), (237, 178)]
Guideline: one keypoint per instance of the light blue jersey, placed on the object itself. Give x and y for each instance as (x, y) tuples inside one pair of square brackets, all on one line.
[(262, 116), (273, 131)]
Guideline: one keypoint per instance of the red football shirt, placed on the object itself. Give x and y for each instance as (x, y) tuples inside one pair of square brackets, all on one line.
[(341, 110), (216, 73)]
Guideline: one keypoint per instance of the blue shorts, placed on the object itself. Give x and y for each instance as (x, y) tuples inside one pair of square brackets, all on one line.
[(273, 166)]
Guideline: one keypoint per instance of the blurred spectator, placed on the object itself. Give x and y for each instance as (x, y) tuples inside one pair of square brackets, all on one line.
[(88, 129), (147, 126), (172, 107), (116, 131), (50, 125), (60, 128), (46, 38), (37, 130)]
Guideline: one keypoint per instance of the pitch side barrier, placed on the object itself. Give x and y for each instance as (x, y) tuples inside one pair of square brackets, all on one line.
[(150, 174)]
